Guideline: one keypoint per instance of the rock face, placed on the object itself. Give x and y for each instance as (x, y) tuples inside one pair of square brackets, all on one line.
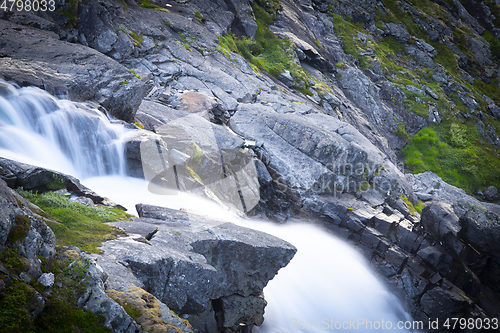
[(328, 153), (210, 272), (31, 57), (33, 178), (21, 231)]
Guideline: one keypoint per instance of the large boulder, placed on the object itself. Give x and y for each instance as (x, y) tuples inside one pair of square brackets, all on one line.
[(210, 272)]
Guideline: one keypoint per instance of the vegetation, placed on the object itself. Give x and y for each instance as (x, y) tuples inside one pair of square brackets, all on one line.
[(62, 314), (198, 15), (267, 51), (147, 4), (75, 224), (453, 151)]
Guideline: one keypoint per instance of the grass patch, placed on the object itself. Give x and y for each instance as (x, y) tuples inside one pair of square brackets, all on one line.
[(147, 4), (76, 224), (454, 152), (267, 52), (198, 15)]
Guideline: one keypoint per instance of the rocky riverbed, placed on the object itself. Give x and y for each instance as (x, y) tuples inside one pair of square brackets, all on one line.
[(360, 88)]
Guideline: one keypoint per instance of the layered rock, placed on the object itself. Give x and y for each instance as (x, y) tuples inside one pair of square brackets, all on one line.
[(31, 57), (210, 272)]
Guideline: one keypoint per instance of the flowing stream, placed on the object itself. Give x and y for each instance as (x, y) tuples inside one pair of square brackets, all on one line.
[(327, 287)]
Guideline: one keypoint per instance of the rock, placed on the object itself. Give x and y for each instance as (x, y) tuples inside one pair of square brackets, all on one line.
[(95, 299), (430, 92), (481, 50), (439, 76), (422, 56), (244, 23), (193, 263), (434, 115), (47, 279), (414, 89), (398, 31), (22, 231), (194, 102), (423, 196), (491, 193), (440, 220), (32, 178), (373, 197), (25, 277), (286, 78), (154, 315), (31, 58)]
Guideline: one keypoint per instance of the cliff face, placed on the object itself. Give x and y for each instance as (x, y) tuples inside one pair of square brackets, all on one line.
[(332, 101)]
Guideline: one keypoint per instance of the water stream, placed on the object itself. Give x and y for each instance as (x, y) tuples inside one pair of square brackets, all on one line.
[(326, 286)]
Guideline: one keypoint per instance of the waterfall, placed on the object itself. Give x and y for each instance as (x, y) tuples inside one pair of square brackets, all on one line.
[(327, 282), (72, 138)]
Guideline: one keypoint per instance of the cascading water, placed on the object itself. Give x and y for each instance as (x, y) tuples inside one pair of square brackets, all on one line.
[(60, 135), (327, 282)]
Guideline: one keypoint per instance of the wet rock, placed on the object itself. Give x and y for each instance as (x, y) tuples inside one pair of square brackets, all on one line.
[(193, 262), (32, 178)]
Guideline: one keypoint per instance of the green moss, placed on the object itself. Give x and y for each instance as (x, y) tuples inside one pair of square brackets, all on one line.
[(420, 206), (20, 230), (341, 65), (198, 15), (135, 74), (267, 51), (15, 302), (146, 4), (318, 44), (61, 313), (454, 152), (12, 261), (76, 224), (401, 132)]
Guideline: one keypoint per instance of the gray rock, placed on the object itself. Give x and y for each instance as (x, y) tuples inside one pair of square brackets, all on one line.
[(37, 238), (192, 261), (95, 299), (398, 31), (414, 89), (374, 198), (481, 50), (32, 178), (32, 57), (440, 220), (286, 78), (47, 279), (25, 277), (423, 196), (430, 92)]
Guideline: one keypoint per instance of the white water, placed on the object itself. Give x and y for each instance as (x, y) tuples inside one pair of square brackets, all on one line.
[(326, 283)]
